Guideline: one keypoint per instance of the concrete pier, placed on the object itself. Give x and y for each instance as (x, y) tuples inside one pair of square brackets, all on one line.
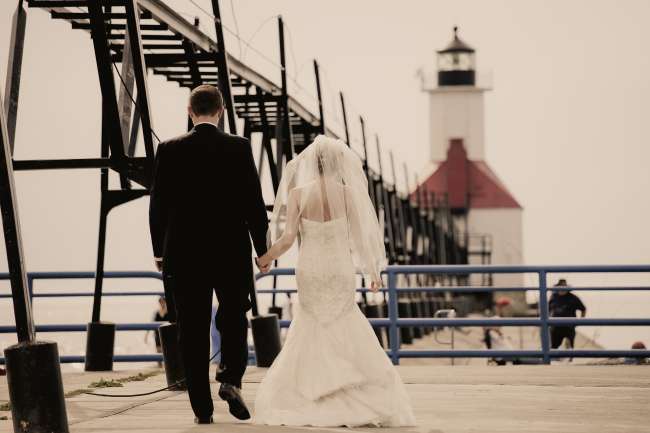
[(460, 399)]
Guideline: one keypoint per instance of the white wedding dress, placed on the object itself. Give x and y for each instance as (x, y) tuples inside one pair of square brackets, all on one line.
[(331, 371)]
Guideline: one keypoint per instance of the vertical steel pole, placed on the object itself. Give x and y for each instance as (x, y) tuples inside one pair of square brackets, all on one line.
[(543, 315), (366, 168), (392, 316), (106, 78), (345, 120), (320, 98), (222, 69), (13, 240), (14, 69), (103, 215), (140, 72), (286, 135), (388, 210)]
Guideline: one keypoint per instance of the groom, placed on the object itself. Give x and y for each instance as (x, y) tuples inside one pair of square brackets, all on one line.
[(206, 200)]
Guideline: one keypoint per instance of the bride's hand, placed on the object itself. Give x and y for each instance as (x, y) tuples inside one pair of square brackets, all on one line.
[(376, 285), (262, 264)]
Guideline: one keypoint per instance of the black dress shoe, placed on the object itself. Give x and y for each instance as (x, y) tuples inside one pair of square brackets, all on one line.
[(231, 395), (207, 420)]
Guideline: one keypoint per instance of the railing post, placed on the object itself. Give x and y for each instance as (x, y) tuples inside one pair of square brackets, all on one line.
[(543, 315), (392, 316)]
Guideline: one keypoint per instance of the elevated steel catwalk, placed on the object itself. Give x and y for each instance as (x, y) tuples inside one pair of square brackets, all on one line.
[(134, 37)]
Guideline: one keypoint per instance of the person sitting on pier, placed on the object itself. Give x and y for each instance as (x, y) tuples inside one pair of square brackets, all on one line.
[(161, 315), (563, 303)]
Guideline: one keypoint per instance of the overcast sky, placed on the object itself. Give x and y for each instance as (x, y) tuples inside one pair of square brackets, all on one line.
[(567, 124)]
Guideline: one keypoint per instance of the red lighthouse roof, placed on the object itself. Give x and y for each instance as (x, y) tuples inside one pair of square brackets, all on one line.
[(468, 184)]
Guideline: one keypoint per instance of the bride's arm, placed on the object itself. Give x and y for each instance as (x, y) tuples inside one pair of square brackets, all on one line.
[(290, 231)]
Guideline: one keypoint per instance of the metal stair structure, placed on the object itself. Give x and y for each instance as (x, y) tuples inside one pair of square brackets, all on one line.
[(135, 38)]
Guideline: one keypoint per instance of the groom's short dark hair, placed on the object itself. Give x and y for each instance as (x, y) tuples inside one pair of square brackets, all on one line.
[(206, 100)]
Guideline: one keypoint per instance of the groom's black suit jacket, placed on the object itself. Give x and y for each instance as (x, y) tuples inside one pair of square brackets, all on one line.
[(205, 201)]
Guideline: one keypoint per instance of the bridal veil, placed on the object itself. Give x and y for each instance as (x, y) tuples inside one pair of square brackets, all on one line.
[(327, 182)]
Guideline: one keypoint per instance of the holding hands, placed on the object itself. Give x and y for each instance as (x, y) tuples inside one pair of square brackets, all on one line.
[(376, 284), (263, 263)]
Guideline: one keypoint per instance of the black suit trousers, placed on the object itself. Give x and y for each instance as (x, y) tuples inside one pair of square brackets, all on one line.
[(193, 299)]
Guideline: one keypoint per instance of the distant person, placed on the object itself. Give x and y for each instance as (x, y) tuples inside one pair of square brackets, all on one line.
[(161, 315), (493, 336), (563, 303), (637, 360)]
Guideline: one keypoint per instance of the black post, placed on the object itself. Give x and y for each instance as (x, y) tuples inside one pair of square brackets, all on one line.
[(222, 69), (388, 210), (14, 69), (100, 336), (33, 370), (345, 120), (320, 97), (13, 242), (286, 135), (106, 79), (366, 168), (140, 71), (399, 214), (174, 371)]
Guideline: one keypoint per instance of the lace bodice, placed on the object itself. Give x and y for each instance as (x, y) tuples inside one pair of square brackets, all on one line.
[(325, 273)]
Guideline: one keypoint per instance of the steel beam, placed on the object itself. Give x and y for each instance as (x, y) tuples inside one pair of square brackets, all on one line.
[(285, 136), (366, 168), (13, 240), (388, 209), (103, 215), (320, 98), (58, 164), (345, 120), (14, 67), (140, 72), (223, 69), (106, 79), (266, 145)]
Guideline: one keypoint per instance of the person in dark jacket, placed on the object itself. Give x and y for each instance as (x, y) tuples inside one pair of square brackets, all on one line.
[(206, 205), (563, 303)]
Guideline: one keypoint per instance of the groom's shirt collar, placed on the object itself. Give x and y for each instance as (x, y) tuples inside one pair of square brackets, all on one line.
[(207, 123)]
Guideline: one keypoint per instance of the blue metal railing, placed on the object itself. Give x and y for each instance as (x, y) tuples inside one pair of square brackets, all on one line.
[(34, 276), (393, 322)]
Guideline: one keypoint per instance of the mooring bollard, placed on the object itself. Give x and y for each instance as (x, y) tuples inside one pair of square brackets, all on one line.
[(171, 352), (274, 309), (100, 341), (35, 388), (266, 339)]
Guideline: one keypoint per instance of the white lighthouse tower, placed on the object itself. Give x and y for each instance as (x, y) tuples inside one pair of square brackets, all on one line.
[(458, 171)]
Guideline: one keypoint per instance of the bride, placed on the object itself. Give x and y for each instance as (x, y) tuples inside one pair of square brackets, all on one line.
[(331, 371)]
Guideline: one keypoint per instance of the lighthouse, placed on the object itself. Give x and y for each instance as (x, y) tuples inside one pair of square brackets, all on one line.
[(459, 173)]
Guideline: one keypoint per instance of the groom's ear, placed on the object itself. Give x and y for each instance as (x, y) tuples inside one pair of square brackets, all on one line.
[(190, 112)]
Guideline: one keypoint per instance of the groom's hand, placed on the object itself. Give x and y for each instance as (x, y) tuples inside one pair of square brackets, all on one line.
[(263, 267)]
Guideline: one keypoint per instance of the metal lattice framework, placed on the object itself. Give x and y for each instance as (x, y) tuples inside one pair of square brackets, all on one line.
[(147, 36)]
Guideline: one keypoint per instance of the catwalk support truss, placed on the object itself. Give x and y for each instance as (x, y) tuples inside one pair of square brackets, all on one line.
[(135, 38)]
